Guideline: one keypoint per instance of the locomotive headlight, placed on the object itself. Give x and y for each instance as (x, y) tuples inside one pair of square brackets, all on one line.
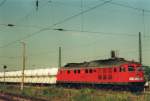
[(138, 78), (135, 78)]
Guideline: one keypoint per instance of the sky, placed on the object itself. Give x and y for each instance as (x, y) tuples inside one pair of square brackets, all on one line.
[(90, 30)]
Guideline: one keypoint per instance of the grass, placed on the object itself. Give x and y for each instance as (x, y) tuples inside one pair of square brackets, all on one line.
[(86, 94)]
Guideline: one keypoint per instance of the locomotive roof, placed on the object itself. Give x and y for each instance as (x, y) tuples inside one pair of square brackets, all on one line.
[(101, 63)]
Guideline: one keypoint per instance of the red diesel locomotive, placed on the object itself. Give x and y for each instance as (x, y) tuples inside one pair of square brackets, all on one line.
[(113, 73)]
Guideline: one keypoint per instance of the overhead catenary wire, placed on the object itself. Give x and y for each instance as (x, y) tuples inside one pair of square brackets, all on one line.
[(33, 11), (93, 32), (134, 8), (60, 22), (82, 12), (23, 26), (128, 6), (28, 36), (104, 33), (82, 16), (2, 2), (57, 23), (82, 31), (52, 52), (39, 54)]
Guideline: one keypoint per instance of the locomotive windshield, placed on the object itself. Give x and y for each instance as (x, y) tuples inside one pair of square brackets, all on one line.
[(139, 69), (130, 68)]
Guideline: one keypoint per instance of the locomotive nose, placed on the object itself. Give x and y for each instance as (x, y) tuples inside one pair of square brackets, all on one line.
[(138, 76)]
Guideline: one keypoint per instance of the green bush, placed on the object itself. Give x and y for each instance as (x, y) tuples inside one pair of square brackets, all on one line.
[(86, 94)]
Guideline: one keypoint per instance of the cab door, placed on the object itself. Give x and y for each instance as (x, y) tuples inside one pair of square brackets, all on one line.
[(122, 74), (131, 73), (115, 76)]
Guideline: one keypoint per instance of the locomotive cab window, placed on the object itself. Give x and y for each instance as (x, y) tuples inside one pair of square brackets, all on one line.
[(79, 71), (86, 71), (122, 69), (130, 68), (75, 71), (90, 70), (68, 71), (115, 70)]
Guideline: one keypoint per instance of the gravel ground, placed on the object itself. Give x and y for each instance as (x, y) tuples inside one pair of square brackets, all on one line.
[(7, 97)]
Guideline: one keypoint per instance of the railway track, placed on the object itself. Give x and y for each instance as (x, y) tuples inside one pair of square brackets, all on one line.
[(14, 97)]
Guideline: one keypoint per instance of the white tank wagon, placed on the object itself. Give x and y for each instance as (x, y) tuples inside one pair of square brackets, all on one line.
[(35, 76)]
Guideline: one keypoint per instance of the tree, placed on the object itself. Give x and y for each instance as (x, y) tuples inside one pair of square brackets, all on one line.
[(147, 72)]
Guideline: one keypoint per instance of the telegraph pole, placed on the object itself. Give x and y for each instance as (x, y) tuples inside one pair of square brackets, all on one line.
[(140, 48), (59, 61), (23, 64)]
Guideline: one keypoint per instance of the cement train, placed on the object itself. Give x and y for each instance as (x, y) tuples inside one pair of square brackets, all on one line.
[(34, 76), (115, 73)]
